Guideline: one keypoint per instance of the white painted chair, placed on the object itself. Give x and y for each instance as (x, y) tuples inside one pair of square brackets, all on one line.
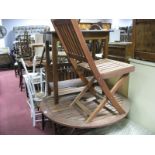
[(35, 76), (34, 98), (33, 80)]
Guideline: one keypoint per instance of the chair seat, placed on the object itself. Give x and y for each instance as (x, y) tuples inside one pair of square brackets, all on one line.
[(39, 96), (35, 77), (110, 68), (32, 74)]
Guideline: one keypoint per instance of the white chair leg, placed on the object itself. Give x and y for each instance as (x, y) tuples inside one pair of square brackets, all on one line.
[(45, 88), (41, 80), (34, 119)]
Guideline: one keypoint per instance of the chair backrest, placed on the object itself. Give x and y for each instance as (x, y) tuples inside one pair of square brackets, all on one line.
[(69, 38), (24, 66), (73, 41)]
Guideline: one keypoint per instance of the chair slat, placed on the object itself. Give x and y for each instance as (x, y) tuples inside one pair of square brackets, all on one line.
[(69, 41), (66, 41), (109, 68), (75, 43), (79, 49)]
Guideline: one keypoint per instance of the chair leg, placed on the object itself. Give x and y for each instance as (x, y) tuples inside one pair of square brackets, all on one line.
[(83, 91), (105, 100), (34, 120), (21, 82), (109, 95), (99, 107), (16, 70), (81, 76), (43, 122)]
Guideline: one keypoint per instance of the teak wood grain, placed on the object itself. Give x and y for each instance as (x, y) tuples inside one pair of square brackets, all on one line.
[(75, 47), (73, 117), (88, 35)]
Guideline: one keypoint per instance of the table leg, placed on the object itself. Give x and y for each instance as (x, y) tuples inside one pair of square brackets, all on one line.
[(106, 47), (93, 48), (47, 66), (55, 72), (43, 122)]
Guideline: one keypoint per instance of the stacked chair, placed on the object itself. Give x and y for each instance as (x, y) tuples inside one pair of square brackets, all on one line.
[(36, 89)]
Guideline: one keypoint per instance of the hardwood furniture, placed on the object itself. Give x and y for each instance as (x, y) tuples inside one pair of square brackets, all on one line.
[(81, 59), (69, 116), (64, 68), (24, 49), (143, 39), (95, 46), (121, 51), (5, 58), (88, 35)]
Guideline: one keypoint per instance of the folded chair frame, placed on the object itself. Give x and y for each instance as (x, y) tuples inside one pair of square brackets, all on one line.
[(72, 38)]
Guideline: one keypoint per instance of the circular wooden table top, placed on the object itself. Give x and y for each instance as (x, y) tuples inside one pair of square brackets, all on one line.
[(71, 116)]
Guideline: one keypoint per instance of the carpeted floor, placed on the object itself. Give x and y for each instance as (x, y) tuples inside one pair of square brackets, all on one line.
[(14, 111)]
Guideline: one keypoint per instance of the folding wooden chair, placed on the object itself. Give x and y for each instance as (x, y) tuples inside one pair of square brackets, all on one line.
[(79, 55)]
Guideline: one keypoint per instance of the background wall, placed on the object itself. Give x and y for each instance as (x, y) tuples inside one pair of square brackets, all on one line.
[(116, 23), (10, 23), (2, 44)]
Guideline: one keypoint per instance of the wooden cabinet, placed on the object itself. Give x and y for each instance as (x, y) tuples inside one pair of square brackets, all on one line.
[(5, 58), (121, 51), (144, 39)]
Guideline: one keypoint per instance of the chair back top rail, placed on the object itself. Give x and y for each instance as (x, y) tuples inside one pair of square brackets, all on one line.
[(24, 66)]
